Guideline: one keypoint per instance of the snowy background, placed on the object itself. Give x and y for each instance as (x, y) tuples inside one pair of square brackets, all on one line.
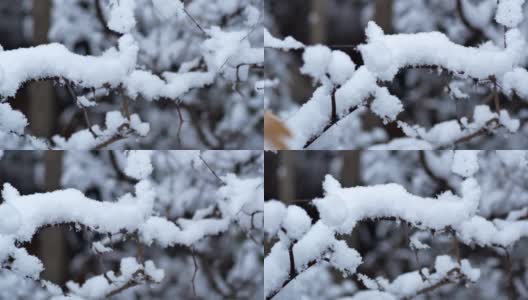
[(396, 225)]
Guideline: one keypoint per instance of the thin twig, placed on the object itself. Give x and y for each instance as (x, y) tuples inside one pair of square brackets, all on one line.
[(211, 169), (195, 272), (195, 22)]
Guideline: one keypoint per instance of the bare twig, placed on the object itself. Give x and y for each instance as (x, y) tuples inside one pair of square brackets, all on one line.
[(195, 272), (211, 169), (195, 22)]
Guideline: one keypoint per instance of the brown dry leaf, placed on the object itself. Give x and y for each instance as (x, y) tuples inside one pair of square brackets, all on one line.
[(275, 131)]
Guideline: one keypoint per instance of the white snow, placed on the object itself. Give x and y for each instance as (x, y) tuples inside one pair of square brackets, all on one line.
[(341, 67), (286, 44), (100, 286), (510, 13), (449, 132), (138, 165), (505, 120), (371, 295), (386, 106), (392, 200), (344, 258), (243, 199), (11, 120), (408, 284), (465, 163), (385, 55), (173, 85), (122, 18), (314, 115), (516, 81), (480, 231), (416, 244), (275, 270), (296, 222), (274, 212), (316, 60), (116, 125), (54, 60), (31, 212)]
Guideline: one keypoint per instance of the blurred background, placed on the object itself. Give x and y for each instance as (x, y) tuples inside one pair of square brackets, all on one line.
[(296, 177), (340, 25)]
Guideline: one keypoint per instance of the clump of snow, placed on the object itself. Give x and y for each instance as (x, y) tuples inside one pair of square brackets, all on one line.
[(165, 233), (116, 126), (286, 44), (274, 212), (341, 67), (83, 101), (99, 247), (228, 48), (11, 120), (173, 85), (505, 120), (483, 114), (296, 222), (317, 241), (510, 13), (138, 164), (242, 201), (316, 59), (153, 272), (514, 81), (456, 92), (465, 163), (480, 231), (345, 258), (471, 273), (386, 106), (25, 264), (416, 244), (122, 18), (408, 284), (130, 270)]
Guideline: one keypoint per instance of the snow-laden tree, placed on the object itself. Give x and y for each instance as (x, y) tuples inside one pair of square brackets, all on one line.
[(425, 225), (156, 225), (157, 74), (453, 75)]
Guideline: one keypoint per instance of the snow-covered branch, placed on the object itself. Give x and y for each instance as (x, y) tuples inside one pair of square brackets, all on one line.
[(151, 62), (302, 243), (345, 91), (236, 204)]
